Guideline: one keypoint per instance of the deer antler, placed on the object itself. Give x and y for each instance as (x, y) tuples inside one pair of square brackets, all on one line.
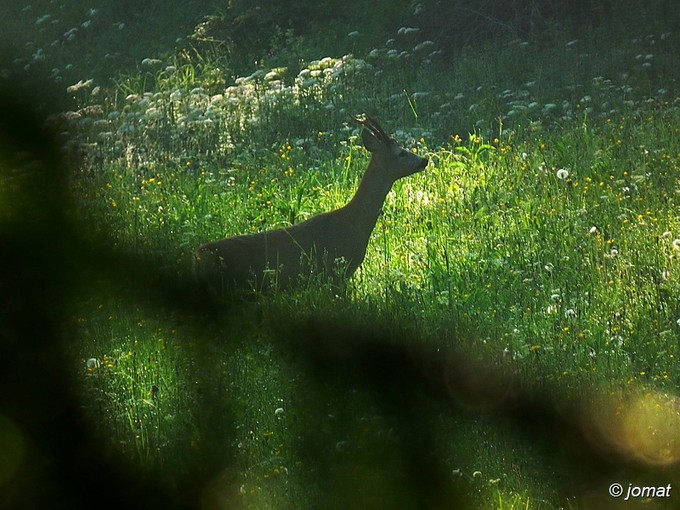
[(372, 125)]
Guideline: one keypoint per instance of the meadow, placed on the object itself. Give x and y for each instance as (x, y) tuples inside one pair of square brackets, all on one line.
[(542, 244)]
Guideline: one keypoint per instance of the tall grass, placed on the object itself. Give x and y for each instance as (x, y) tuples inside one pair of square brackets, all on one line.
[(544, 234)]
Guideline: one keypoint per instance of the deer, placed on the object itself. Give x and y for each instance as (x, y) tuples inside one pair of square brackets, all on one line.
[(332, 244)]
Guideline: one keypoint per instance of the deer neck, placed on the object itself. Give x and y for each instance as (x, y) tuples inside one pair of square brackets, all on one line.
[(364, 208)]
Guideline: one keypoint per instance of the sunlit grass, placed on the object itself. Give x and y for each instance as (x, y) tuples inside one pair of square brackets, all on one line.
[(545, 229)]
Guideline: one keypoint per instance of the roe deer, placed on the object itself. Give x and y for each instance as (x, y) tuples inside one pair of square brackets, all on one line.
[(332, 243)]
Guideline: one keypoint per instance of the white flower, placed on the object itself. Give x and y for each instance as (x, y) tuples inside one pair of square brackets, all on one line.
[(562, 174), (69, 35), (676, 244), (408, 30), (271, 75), (423, 45), (79, 86), (593, 230)]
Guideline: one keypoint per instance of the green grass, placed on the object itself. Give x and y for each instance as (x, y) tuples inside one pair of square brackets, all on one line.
[(544, 235)]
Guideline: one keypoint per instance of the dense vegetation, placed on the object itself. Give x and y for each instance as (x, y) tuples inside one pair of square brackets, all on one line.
[(541, 247)]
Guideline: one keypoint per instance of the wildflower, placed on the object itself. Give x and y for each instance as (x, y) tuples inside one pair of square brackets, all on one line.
[(562, 174), (150, 62), (79, 86), (676, 244), (69, 35), (593, 230), (423, 45), (570, 313), (408, 31), (92, 364)]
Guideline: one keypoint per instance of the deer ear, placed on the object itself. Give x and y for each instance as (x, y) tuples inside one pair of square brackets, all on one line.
[(370, 141)]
